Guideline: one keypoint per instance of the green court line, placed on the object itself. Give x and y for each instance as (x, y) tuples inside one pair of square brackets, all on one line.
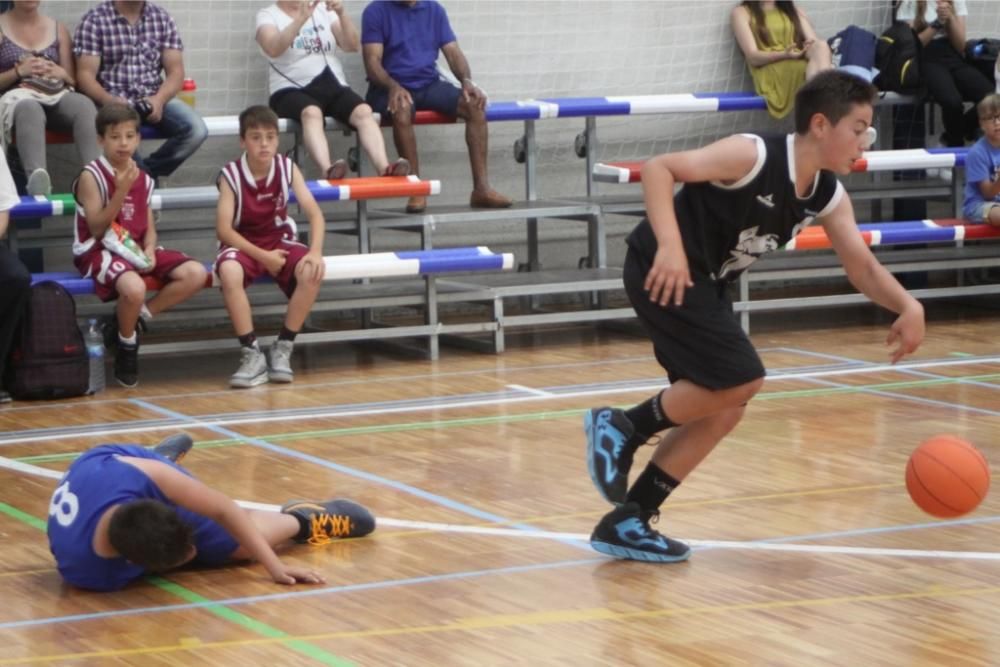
[(305, 648), (529, 416)]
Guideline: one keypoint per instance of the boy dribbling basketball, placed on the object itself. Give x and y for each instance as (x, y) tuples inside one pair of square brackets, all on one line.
[(742, 196)]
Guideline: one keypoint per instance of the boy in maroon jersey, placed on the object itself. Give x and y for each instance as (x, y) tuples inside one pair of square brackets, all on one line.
[(257, 237), (112, 189)]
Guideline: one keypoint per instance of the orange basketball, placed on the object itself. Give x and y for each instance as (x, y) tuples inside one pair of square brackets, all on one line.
[(947, 477)]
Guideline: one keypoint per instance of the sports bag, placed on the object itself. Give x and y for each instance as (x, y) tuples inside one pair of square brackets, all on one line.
[(48, 359), (897, 57)]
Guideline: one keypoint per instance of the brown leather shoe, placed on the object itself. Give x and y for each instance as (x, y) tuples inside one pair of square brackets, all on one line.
[(416, 204), (489, 199)]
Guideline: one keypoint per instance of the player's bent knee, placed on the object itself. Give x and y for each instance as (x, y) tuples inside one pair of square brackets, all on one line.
[(131, 287), (312, 113)]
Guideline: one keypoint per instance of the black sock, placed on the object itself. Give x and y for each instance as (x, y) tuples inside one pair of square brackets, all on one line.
[(249, 340), (287, 334), (652, 488), (648, 418)]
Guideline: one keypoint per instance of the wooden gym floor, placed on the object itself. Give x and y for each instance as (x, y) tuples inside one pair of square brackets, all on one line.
[(808, 550)]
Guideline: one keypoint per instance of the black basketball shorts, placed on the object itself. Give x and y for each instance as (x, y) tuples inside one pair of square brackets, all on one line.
[(701, 341)]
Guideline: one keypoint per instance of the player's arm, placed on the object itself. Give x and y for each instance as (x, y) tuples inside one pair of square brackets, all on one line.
[(315, 267), (189, 493), (99, 217), (726, 161), (150, 239), (874, 280), (989, 189)]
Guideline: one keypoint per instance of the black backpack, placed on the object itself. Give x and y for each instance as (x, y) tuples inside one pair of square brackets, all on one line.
[(49, 358), (897, 56)]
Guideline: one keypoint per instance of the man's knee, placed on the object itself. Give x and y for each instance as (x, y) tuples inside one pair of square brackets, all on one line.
[(745, 392), (362, 114), (312, 113)]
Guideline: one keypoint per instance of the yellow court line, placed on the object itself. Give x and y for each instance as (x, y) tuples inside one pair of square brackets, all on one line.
[(514, 620), (679, 503)]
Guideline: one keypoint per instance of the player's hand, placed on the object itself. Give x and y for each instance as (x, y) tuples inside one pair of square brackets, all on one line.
[(907, 332), (944, 10), (313, 268), (668, 277), (151, 254), (274, 261), (288, 575), (126, 177), (399, 100)]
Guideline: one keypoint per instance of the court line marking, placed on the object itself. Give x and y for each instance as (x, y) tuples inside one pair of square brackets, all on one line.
[(535, 619), (495, 400), (434, 498), (530, 390), (536, 533)]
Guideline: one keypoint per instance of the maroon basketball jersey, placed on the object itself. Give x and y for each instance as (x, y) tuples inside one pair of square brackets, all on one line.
[(261, 213), (133, 215)]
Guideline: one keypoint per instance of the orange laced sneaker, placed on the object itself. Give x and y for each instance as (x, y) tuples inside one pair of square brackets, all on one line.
[(338, 518)]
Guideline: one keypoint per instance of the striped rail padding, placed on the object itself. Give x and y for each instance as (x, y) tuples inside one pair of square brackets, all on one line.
[(915, 158), (349, 267), (530, 109), (898, 233), (348, 189)]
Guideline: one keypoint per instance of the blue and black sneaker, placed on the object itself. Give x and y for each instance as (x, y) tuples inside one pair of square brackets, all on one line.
[(611, 444), (174, 447), (625, 533), (330, 519)]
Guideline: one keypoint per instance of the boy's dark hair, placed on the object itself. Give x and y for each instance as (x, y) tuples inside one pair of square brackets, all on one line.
[(989, 106), (113, 114), (150, 534), (832, 93), (257, 116)]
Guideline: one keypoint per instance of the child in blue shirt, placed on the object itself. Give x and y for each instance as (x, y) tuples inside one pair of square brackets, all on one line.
[(982, 167)]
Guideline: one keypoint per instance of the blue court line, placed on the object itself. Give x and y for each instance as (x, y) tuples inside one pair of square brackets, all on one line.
[(354, 472), (391, 583), (349, 588), (890, 394)]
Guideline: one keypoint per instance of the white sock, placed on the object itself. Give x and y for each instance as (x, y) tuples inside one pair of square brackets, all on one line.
[(128, 341), (144, 313)]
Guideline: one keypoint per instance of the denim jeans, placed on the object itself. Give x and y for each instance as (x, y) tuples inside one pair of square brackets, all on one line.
[(185, 132)]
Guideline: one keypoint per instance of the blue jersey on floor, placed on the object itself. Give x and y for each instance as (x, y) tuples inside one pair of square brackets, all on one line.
[(96, 481)]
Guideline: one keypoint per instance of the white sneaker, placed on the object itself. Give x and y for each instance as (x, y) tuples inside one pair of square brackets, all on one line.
[(280, 361), (39, 183), (252, 370)]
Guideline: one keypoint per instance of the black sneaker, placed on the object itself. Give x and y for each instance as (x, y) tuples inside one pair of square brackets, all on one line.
[(624, 532), (127, 364), (174, 447), (5, 397), (611, 444), (108, 326), (334, 518)]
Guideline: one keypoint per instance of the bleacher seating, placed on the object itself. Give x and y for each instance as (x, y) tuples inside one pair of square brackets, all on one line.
[(585, 281)]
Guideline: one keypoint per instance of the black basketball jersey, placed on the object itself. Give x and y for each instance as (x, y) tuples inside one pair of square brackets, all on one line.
[(725, 228)]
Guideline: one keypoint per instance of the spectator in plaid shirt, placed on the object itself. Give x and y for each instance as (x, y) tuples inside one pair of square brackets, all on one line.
[(121, 47)]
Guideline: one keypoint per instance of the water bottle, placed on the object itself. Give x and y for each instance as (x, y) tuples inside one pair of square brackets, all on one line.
[(188, 90), (94, 341)]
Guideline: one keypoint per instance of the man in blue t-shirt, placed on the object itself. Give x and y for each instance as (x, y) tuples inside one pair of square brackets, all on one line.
[(400, 44), (982, 167), (123, 511)]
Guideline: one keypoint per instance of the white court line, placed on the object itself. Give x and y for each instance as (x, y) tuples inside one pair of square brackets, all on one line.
[(531, 390), (551, 535), (606, 391)]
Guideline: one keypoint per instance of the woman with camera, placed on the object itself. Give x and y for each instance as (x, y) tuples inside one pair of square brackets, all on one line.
[(37, 77), (950, 80)]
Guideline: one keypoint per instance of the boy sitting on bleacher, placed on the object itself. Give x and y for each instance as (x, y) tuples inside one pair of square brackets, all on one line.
[(257, 237), (113, 199), (982, 167)]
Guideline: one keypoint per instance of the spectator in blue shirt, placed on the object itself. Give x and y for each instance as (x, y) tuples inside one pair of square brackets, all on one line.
[(982, 167), (400, 46)]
